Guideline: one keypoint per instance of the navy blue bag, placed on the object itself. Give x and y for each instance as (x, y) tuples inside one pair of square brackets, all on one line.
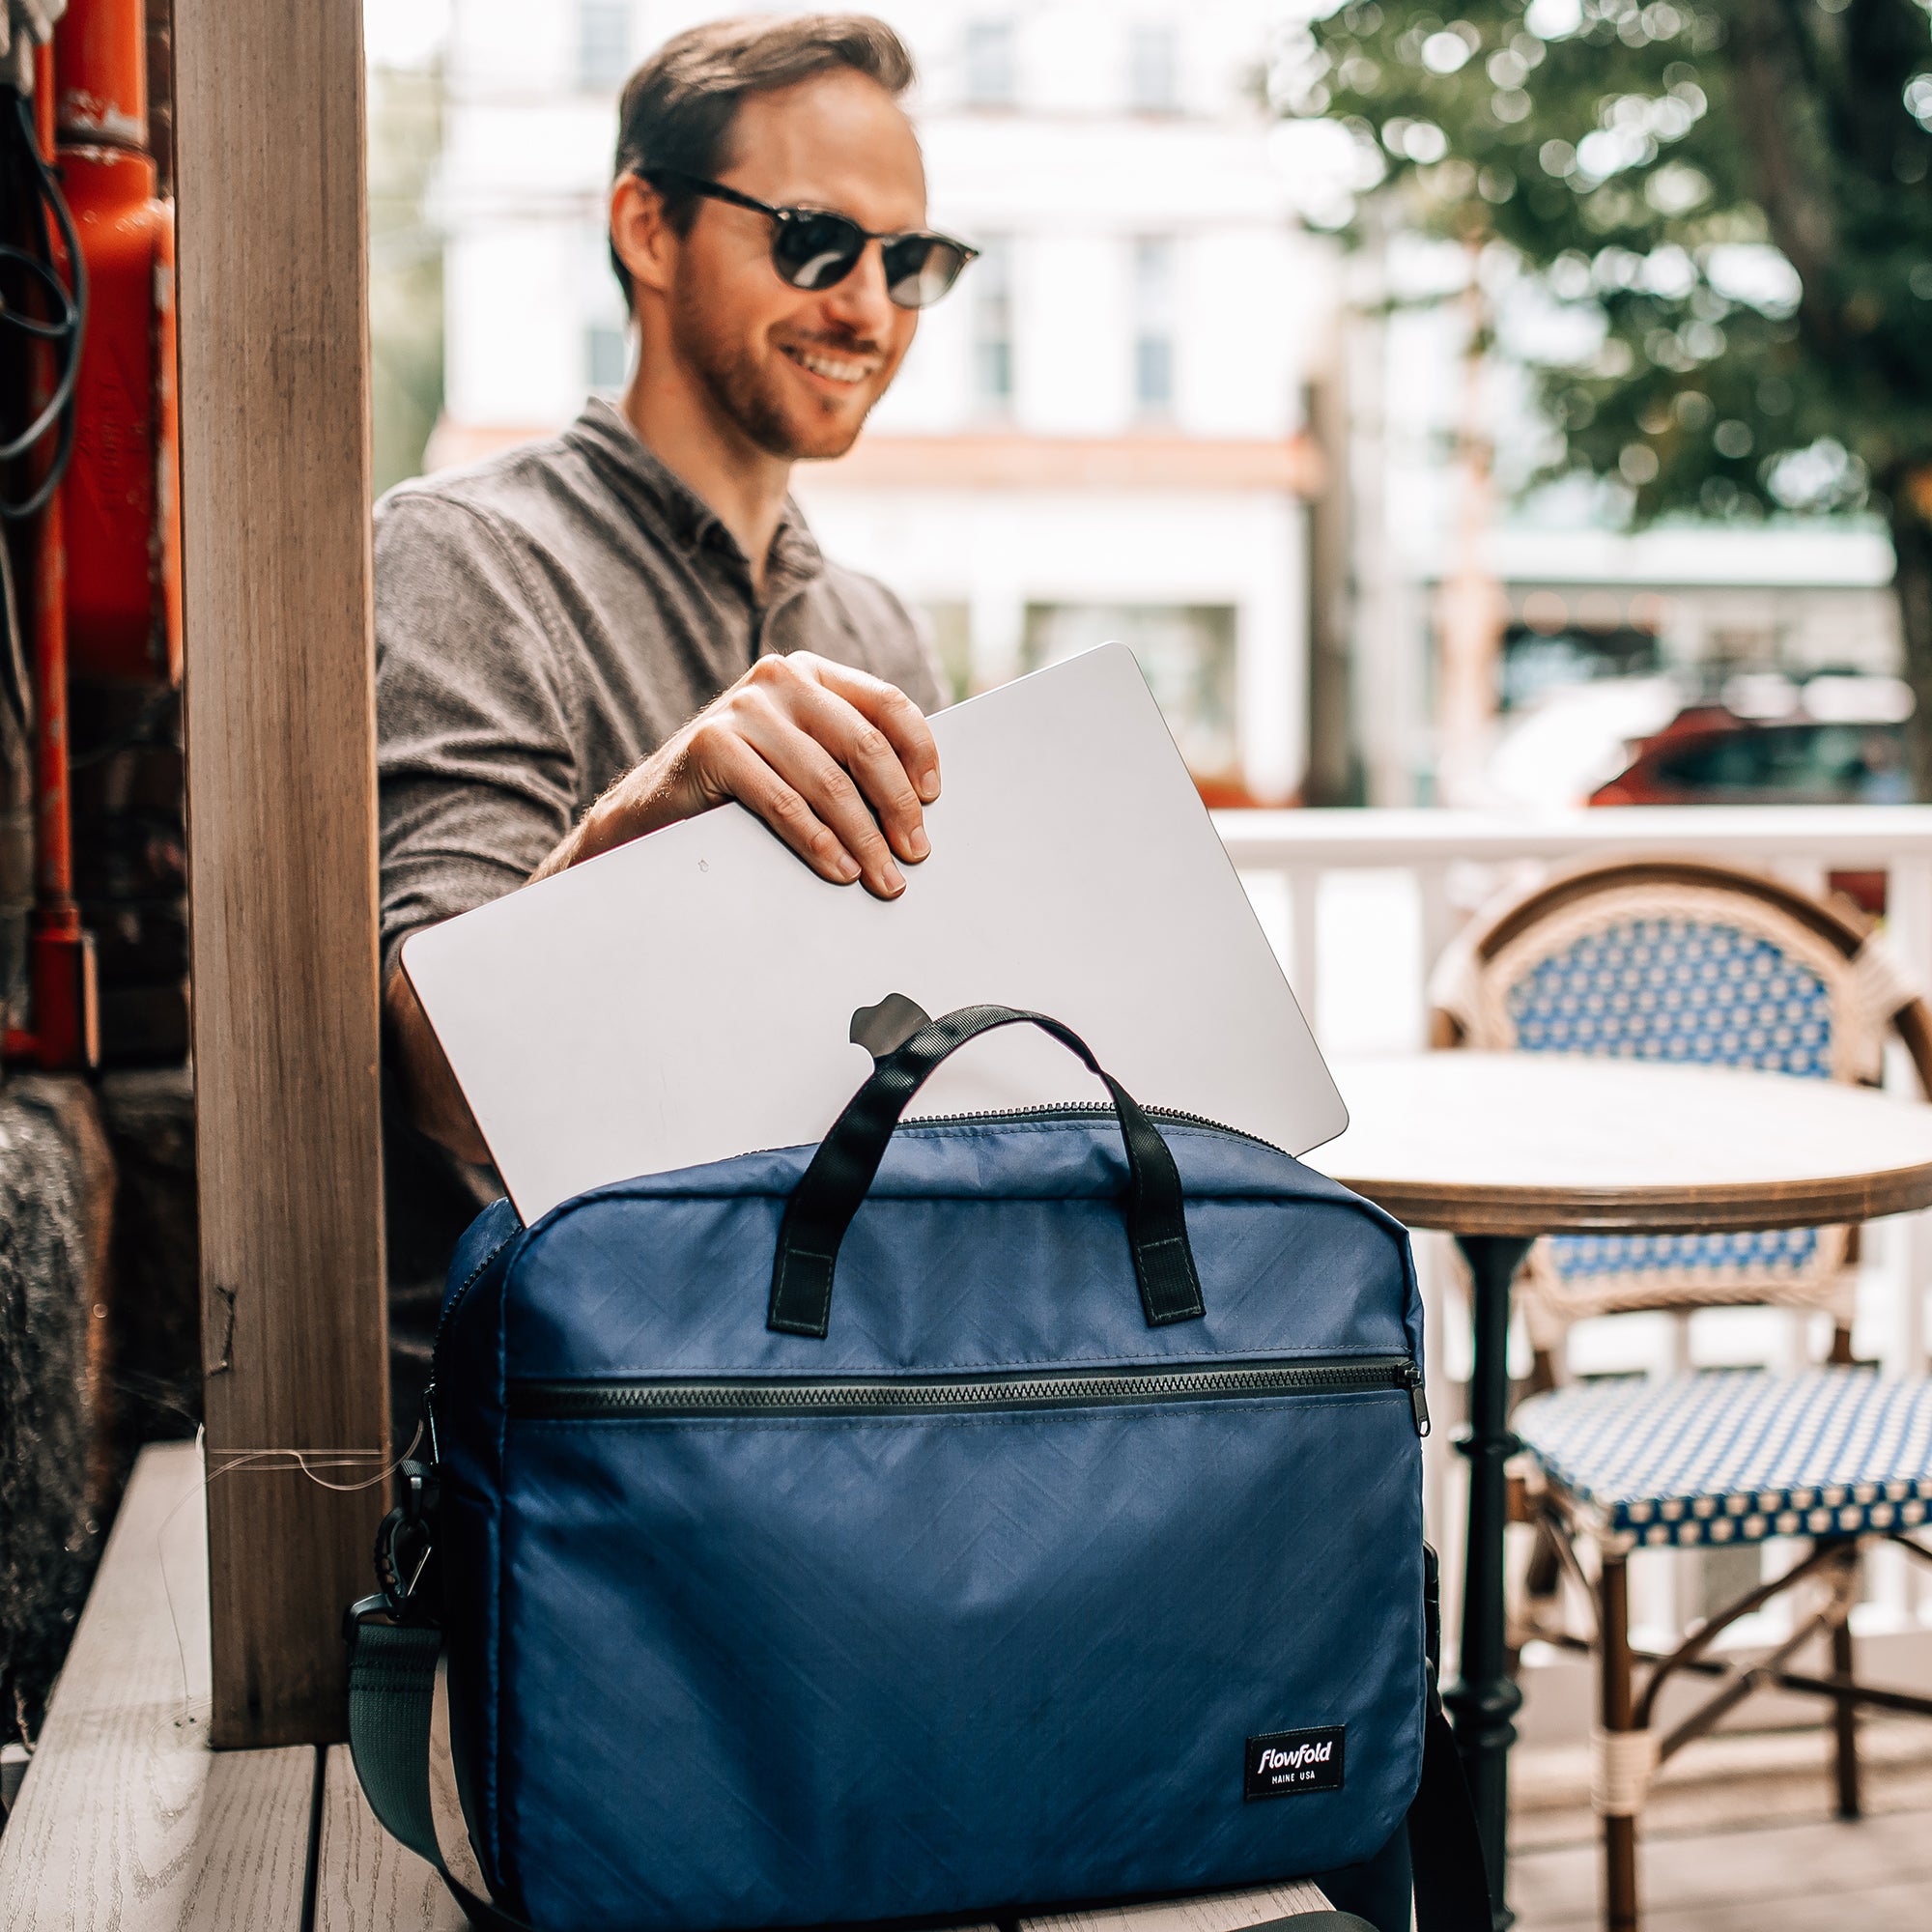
[(972, 1516)]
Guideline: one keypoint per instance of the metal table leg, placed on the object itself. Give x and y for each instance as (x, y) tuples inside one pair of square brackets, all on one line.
[(1484, 1699)]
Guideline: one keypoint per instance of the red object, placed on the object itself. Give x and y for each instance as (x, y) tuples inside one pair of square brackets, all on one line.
[(1640, 782), (60, 954), (108, 548), (121, 508), (1708, 756)]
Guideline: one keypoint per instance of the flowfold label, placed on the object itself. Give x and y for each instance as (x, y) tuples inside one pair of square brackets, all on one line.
[(1285, 1763)]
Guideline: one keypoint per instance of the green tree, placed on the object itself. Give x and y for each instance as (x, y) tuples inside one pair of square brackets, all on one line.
[(1739, 191)]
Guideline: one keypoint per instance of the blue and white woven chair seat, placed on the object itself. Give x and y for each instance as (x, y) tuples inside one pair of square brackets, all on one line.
[(1737, 1456)]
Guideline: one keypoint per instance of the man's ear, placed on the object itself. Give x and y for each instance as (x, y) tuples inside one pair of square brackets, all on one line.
[(644, 241)]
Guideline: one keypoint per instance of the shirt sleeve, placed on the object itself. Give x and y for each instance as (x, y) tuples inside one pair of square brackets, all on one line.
[(477, 778)]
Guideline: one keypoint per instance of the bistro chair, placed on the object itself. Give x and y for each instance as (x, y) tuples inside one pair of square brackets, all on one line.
[(1680, 960)]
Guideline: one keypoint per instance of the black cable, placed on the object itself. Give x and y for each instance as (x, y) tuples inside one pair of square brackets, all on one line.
[(66, 330)]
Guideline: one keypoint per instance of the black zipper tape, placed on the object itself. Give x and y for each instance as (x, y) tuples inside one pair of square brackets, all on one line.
[(637, 1398)]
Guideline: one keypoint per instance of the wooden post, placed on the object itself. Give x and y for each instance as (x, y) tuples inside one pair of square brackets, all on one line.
[(281, 792)]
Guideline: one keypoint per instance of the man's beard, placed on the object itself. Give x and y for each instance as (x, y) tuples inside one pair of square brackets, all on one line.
[(745, 391)]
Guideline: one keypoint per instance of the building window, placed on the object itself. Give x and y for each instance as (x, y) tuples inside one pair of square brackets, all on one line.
[(606, 356), (603, 44), (991, 81), (1186, 652), (1154, 68), (993, 325), (1154, 323)]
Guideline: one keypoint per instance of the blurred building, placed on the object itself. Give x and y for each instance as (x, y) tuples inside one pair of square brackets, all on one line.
[(1100, 434)]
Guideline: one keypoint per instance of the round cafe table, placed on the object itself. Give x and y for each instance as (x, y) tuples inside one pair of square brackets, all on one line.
[(1497, 1149)]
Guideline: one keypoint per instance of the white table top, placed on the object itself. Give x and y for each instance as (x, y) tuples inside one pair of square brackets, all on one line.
[(1538, 1143)]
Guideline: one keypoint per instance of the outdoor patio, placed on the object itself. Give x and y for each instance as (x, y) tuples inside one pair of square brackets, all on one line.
[(1289, 474)]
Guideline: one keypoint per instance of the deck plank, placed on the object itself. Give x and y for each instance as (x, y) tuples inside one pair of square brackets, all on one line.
[(365, 1881), (1217, 1912), (1877, 1873), (127, 1819)]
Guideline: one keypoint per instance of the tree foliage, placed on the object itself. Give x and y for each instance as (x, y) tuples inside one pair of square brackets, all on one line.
[(1739, 192)]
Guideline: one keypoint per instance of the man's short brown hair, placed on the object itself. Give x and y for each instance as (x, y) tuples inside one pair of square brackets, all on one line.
[(678, 108)]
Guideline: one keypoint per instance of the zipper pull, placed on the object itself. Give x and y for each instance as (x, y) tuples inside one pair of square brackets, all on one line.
[(1418, 1402)]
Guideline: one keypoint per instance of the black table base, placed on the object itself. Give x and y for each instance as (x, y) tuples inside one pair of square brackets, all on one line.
[(1484, 1700)]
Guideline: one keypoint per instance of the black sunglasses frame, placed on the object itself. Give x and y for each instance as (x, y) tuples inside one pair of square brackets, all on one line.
[(783, 219)]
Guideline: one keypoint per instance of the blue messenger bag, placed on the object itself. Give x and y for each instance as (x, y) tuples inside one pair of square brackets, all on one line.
[(955, 1521)]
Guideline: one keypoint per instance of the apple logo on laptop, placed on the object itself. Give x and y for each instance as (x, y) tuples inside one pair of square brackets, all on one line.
[(887, 1027)]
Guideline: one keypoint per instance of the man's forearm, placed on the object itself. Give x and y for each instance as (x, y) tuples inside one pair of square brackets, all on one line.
[(436, 1102)]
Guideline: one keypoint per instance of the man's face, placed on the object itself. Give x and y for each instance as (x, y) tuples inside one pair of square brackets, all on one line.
[(797, 370)]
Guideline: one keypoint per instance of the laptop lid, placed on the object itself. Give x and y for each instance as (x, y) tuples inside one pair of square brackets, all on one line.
[(692, 995)]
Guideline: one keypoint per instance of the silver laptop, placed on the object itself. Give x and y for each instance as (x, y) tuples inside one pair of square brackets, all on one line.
[(697, 994)]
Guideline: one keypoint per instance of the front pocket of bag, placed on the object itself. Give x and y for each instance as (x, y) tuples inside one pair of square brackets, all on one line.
[(797, 1667)]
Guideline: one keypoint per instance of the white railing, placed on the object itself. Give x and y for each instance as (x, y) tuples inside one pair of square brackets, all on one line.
[(1360, 903), (1454, 858)]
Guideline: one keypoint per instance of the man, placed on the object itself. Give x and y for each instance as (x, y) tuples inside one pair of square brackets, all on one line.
[(590, 637), (586, 639)]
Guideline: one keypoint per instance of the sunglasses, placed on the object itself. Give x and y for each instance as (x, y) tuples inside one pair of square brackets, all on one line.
[(815, 248)]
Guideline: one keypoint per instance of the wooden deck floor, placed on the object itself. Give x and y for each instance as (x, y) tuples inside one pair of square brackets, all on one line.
[(126, 1820), (1873, 1876), (1740, 1835)]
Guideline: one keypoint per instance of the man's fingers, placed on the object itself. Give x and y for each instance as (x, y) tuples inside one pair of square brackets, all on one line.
[(737, 769), (887, 707), (863, 749), (807, 756), (835, 761)]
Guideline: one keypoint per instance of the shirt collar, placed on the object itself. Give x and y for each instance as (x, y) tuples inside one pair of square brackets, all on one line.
[(604, 434)]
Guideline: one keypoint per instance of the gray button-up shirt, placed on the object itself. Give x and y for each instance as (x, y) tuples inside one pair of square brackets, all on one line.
[(547, 619)]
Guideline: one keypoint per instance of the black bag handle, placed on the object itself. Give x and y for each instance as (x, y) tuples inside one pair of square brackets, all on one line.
[(828, 1193)]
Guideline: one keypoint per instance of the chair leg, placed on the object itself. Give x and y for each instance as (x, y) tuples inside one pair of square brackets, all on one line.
[(1845, 1711), (1618, 1713), (1543, 1578)]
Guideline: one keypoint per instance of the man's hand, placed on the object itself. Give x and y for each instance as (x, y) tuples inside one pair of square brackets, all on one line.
[(838, 764)]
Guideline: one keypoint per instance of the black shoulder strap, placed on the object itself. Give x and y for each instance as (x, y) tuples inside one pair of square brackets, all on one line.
[(391, 1693), (392, 1689), (1445, 1854)]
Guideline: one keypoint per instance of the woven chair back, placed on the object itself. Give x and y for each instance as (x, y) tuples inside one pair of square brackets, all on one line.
[(1681, 961)]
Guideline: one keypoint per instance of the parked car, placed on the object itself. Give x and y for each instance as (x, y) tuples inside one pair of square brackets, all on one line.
[(1841, 741), (1708, 756)]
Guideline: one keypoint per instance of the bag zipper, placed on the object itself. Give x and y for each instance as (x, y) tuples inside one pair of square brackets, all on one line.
[(638, 1398), (1083, 1110)]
